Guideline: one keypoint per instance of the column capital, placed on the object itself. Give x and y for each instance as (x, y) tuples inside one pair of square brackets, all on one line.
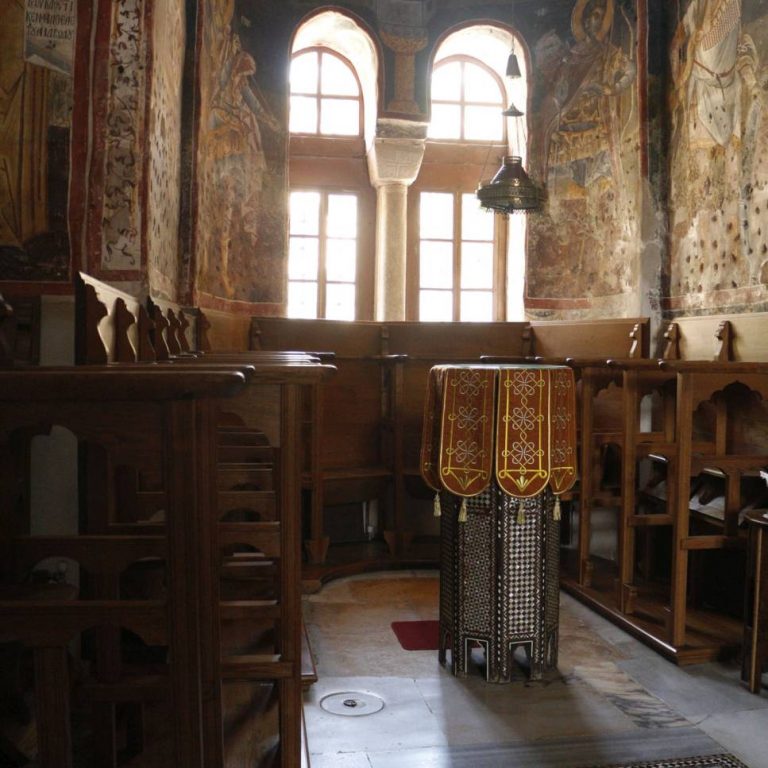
[(396, 153)]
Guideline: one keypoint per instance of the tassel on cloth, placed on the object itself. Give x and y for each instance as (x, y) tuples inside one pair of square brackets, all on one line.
[(521, 513), (463, 511), (557, 514), (436, 509)]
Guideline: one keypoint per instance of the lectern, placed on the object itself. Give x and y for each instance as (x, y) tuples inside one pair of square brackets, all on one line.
[(499, 448)]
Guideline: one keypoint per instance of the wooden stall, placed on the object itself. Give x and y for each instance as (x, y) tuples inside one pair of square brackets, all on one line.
[(248, 556), (691, 437)]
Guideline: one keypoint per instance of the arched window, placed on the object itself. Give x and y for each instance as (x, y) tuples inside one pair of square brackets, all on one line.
[(467, 101), (325, 95), (333, 86), (465, 263)]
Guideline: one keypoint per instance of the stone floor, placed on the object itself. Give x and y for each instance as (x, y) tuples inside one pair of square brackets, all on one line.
[(611, 699)]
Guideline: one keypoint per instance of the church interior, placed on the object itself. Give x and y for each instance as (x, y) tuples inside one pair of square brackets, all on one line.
[(326, 323)]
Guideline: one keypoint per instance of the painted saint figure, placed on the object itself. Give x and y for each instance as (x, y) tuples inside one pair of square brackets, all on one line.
[(585, 151), (710, 77), (236, 165), (580, 120)]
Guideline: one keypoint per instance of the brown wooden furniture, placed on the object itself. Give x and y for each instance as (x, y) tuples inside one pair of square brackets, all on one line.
[(253, 540), (348, 421), (405, 352), (680, 432), (755, 648), (152, 419)]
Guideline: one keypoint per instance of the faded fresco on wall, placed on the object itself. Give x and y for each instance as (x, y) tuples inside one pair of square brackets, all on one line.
[(719, 157), (164, 147), (584, 132), (241, 221), (124, 139), (35, 125)]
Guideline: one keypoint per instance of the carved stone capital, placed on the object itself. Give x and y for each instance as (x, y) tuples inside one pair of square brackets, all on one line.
[(395, 160), (404, 40)]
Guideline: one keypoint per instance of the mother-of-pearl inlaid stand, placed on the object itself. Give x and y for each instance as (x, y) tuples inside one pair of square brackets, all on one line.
[(498, 449)]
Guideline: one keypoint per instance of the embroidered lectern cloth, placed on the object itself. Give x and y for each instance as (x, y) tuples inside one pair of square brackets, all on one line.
[(516, 423)]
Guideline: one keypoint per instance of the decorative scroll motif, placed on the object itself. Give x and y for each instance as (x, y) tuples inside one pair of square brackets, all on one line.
[(466, 446), (522, 459), (563, 431), (124, 138), (534, 411)]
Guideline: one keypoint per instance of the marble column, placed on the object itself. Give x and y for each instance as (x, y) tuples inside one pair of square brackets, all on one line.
[(393, 164)]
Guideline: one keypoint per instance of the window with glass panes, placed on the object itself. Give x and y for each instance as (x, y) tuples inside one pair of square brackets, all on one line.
[(467, 101), (457, 259), (322, 255), (325, 95)]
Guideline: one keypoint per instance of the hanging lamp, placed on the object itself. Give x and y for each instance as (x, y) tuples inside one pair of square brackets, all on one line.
[(513, 66), (511, 189)]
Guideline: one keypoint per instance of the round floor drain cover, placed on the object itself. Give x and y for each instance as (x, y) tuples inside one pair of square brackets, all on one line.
[(352, 704)]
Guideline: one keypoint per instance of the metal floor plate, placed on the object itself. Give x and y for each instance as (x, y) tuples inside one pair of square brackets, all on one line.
[(352, 704)]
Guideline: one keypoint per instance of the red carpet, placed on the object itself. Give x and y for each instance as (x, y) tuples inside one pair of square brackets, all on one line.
[(417, 635)]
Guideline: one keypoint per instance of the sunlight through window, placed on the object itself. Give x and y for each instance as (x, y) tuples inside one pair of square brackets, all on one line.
[(325, 95), (467, 101), (322, 255)]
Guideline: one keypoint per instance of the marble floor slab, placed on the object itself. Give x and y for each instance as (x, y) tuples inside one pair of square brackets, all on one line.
[(611, 699)]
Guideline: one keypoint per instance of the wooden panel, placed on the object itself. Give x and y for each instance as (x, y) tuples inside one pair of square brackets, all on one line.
[(346, 339), (452, 341), (588, 338), (351, 402), (224, 331), (749, 339)]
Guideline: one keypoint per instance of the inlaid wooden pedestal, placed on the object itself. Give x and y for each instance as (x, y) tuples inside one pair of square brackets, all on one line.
[(499, 582)]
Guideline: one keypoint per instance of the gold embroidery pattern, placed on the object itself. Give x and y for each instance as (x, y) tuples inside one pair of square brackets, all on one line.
[(533, 412), (563, 439), (522, 437), (465, 455)]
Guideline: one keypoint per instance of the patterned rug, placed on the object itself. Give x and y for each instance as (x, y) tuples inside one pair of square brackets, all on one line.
[(711, 761)]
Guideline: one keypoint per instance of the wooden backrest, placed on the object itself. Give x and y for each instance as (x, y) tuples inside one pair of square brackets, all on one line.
[(619, 338), (740, 338), (220, 331), (111, 326), (353, 400), (455, 341), (345, 339), (177, 324)]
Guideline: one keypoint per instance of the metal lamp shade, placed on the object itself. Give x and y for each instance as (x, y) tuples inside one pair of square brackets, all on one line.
[(511, 189)]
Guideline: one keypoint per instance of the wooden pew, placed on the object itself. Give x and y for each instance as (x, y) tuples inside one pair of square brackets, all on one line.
[(154, 416), (410, 349), (348, 419), (662, 440), (252, 540)]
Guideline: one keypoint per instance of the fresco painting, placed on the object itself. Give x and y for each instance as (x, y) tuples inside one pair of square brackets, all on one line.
[(35, 125), (124, 139), (164, 172), (584, 134), (241, 219), (719, 157)]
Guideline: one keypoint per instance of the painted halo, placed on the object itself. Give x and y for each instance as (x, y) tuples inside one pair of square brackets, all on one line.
[(577, 20)]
